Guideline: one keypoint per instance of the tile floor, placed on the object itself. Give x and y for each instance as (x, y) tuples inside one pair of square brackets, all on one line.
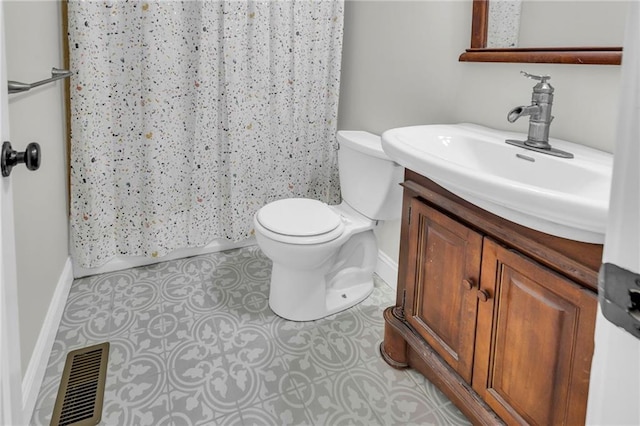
[(193, 342)]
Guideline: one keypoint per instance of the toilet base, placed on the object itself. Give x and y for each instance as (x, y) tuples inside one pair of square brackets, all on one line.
[(329, 303), (342, 281), (344, 299)]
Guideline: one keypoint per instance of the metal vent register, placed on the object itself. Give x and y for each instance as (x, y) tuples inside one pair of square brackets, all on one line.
[(81, 392)]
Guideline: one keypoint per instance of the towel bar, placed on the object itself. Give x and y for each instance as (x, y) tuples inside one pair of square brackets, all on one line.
[(56, 74)]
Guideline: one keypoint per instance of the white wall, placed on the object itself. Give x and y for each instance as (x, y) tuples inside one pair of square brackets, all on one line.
[(400, 67), (33, 36), (593, 23)]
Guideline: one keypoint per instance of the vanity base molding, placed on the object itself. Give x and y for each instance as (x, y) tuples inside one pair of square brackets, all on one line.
[(498, 316), (423, 358)]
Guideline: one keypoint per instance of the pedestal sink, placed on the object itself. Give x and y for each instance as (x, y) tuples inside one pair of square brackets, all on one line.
[(567, 198)]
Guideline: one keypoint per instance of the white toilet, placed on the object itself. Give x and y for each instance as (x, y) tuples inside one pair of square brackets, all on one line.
[(324, 256)]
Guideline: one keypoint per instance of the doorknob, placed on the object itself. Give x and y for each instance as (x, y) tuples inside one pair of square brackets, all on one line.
[(9, 157)]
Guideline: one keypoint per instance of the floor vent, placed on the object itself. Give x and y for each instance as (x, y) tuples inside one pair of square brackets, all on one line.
[(79, 400)]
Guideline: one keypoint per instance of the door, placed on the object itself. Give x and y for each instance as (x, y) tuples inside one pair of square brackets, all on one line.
[(441, 285), (534, 342), (615, 374), (10, 372)]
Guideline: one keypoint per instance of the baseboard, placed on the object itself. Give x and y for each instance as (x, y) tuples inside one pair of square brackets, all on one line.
[(32, 380), (125, 262), (387, 269)]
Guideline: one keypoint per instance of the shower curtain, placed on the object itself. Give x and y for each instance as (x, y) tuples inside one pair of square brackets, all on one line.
[(188, 116)]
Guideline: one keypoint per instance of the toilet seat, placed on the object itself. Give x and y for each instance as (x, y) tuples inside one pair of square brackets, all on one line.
[(300, 221)]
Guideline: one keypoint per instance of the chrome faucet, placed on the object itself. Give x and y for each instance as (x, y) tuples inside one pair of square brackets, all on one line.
[(540, 118)]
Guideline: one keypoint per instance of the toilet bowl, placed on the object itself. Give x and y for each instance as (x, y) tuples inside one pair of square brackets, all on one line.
[(324, 256)]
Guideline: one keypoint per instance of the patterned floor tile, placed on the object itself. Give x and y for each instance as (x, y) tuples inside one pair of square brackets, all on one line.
[(72, 336), (91, 313), (252, 307), (190, 407), (353, 337), (256, 371), (100, 287), (233, 419), (194, 342), (136, 354), (196, 350), (136, 399), (283, 410), (131, 286), (306, 348), (337, 400), (135, 313), (393, 400)]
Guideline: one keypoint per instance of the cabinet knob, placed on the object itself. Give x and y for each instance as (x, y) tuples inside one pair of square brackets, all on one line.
[(467, 284), (483, 295)]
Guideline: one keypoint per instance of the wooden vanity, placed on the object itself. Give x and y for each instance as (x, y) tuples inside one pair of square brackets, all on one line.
[(500, 317)]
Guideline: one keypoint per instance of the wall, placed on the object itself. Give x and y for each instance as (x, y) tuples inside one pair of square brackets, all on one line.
[(593, 23), (33, 35), (400, 67)]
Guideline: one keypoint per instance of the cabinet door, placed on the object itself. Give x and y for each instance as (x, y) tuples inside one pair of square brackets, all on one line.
[(443, 273), (534, 341)]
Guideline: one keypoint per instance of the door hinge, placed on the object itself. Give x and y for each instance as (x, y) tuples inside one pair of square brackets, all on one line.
[(619, 294)]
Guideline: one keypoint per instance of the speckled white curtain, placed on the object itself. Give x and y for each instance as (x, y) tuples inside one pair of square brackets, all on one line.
[(188, 116)]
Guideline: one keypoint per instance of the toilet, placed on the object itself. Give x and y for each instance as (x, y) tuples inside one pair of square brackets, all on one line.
[(323, 255)]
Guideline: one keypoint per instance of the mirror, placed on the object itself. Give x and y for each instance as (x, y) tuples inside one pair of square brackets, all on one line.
[(480, 52)]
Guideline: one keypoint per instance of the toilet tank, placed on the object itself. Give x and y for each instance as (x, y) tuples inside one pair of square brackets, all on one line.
[(369, 180)]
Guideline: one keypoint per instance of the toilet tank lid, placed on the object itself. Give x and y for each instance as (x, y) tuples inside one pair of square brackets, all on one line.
[(361, 141)]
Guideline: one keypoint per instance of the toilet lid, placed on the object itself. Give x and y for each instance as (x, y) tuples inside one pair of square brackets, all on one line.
[(300, 217)]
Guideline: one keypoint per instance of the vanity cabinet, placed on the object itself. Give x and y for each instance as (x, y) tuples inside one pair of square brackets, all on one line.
[(534, 341), (440, 304), (500, 317)]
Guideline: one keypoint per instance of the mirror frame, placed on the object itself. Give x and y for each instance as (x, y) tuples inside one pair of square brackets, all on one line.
[(549, 55)]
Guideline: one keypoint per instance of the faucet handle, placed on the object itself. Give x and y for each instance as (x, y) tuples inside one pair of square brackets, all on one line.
[(541, 78)]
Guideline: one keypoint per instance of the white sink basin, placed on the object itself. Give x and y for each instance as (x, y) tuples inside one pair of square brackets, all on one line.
[(568, 198)]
